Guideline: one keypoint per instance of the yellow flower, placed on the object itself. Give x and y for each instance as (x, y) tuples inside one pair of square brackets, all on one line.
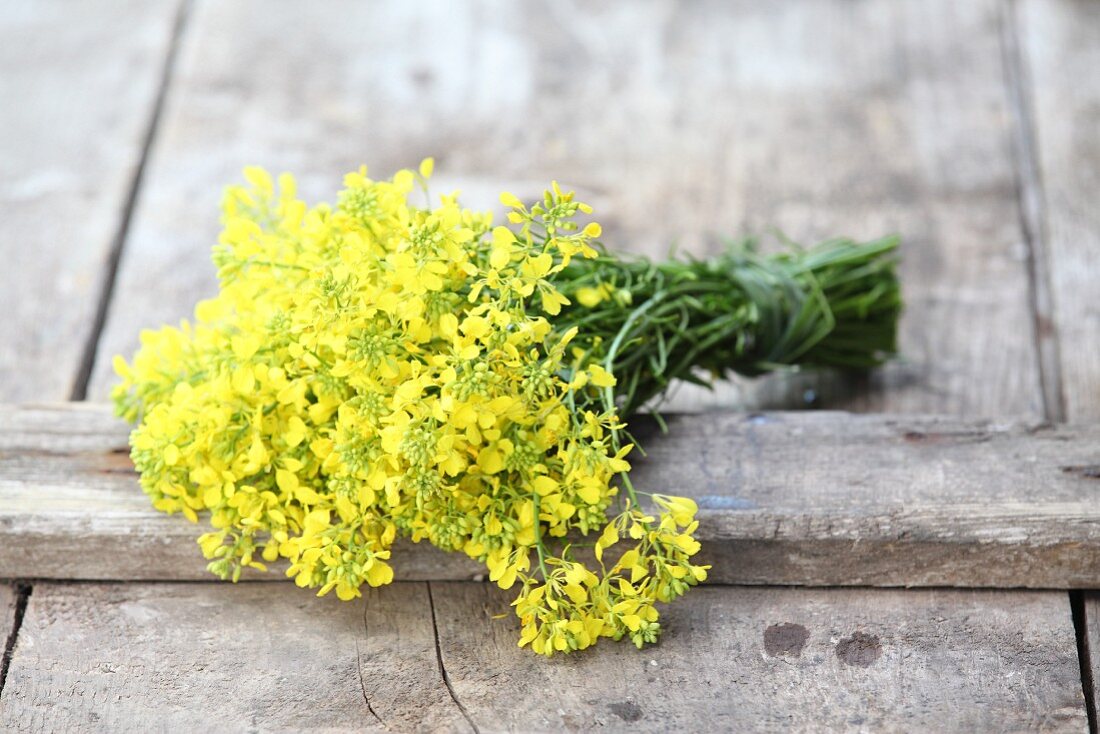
[(374, 368)]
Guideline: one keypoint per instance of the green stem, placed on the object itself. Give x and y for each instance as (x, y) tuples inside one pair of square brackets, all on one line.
[(539, 549), (634, 502), (835, 305), (616, 345)]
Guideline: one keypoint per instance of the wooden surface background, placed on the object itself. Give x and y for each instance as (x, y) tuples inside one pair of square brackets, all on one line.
[(969, 128)]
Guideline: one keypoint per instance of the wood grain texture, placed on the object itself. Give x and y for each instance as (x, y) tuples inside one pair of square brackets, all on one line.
[(1060, 43), (254, 657), (820, 118), (78, 87), (786, 498), (738, 659), (179, 657)]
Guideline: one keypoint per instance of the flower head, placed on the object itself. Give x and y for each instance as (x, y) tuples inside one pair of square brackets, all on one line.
[(374, 369)]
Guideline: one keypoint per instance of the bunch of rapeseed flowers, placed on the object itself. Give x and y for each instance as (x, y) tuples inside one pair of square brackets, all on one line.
[(375, 369)]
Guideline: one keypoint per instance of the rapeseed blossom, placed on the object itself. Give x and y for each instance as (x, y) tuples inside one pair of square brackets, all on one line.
[(375, 369)]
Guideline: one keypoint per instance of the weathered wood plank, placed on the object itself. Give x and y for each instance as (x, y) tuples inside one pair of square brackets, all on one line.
[(885, 500), (78, 89), (177, 657), (820, 118), (255, 657), (738, 659), (786, 498), (1060, 44), (71, 508)]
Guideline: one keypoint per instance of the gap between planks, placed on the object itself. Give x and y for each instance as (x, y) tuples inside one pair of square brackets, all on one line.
[(1090, 614), (1029, 190), (1060, 52), (1079, 607), (114, 256), (13, 604), (68, 150), (1020, 83)]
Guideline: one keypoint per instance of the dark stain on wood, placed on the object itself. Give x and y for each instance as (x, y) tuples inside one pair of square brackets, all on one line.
[(785, 639), (861, 649), (626, 710)]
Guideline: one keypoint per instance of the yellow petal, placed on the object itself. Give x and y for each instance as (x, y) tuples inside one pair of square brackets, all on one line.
[(287, 481), (171, 454), (601, 377)]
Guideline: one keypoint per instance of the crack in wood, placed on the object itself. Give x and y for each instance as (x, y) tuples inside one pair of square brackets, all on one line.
[(362, 680), (442, 668)]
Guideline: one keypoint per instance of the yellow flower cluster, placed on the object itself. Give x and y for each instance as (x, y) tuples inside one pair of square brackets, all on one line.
[(374, 369)]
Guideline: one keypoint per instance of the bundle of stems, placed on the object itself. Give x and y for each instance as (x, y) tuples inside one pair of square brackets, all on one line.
[(649, 323)]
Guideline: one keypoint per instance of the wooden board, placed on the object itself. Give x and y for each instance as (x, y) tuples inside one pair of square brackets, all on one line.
[(177, 657), (786, 498), (78, 89), (255, 657), (821, 118), (735, 659), (1060, 44), (71, 507)]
